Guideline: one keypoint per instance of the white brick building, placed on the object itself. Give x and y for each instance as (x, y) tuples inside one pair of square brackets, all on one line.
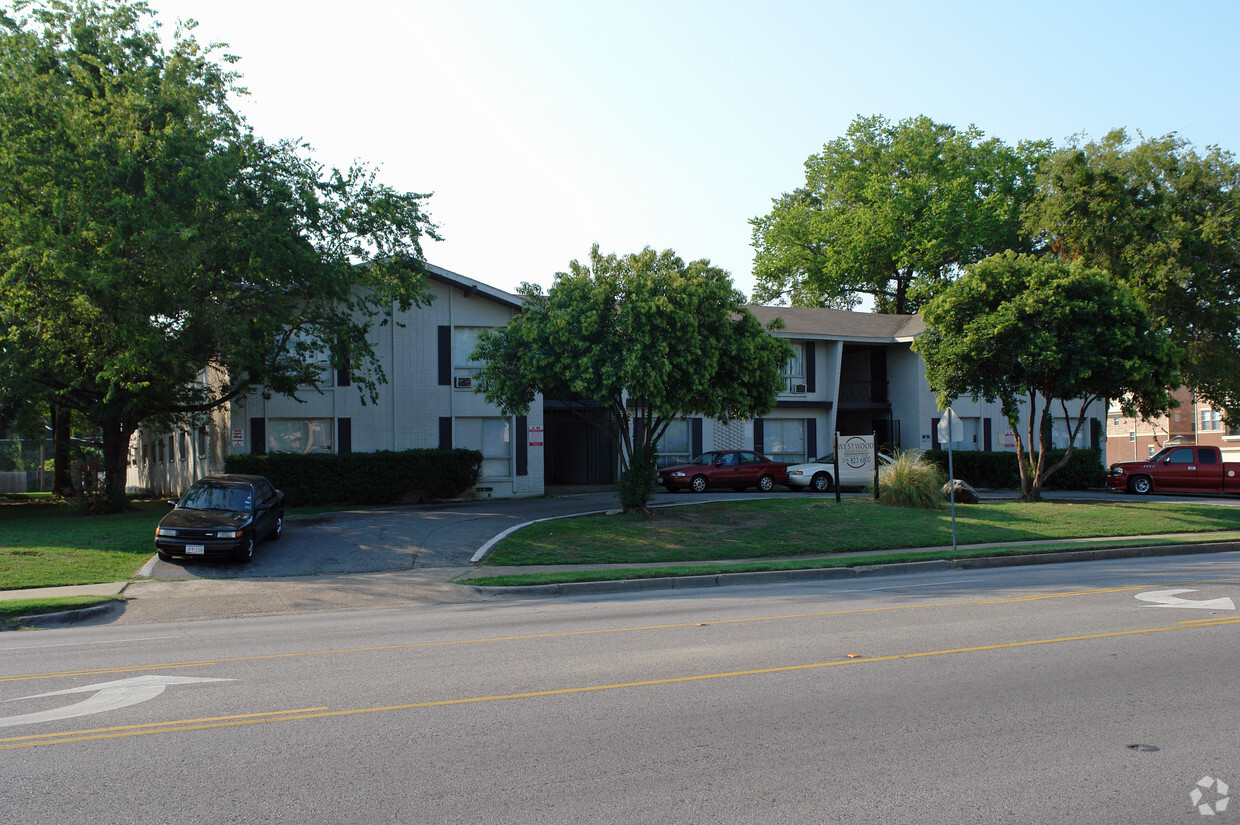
[(853, 373)]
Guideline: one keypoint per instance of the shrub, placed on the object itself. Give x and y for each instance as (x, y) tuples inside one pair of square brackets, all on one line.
[(911, 481), (1000, 470), (364, 478)]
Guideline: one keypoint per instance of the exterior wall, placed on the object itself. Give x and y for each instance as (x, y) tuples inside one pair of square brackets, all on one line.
[(1193, 422), (417, 408)]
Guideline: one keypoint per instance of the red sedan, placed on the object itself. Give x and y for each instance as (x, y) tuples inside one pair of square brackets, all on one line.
[(737, 469)]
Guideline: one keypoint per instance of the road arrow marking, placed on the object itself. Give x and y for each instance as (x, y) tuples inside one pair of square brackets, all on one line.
[(1168, 598), (107, 696)]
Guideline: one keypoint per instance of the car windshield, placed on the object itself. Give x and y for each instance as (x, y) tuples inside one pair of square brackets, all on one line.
[(705, 458), (216, 497)]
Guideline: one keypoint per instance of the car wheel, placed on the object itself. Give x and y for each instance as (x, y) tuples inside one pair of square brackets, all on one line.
[(821, 482), (246, 553), (1140, 485), (279, 529), (698, 484), (766, 484)]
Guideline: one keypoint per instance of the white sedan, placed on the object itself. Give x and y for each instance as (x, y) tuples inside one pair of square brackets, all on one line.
[(819, 475)]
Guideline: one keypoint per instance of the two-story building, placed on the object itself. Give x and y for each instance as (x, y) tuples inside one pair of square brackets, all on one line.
[(428, 401), (851, 372)]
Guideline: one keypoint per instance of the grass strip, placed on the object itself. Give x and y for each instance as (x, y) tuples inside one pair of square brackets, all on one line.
[(11, 609), (628, 573)]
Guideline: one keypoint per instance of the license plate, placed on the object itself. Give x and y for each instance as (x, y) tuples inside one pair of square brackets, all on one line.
[(195, 549)]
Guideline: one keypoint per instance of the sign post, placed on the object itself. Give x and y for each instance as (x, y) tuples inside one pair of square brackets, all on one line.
[(951, 428)]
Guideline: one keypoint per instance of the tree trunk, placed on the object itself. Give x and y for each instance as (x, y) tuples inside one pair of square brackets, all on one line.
[(116, 435), (62, 481)]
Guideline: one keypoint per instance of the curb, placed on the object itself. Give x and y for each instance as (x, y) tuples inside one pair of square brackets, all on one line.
[(66, 618), (824, 573)]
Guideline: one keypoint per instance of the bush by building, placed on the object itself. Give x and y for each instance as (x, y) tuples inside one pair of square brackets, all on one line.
[(998, 470), (382, 477)]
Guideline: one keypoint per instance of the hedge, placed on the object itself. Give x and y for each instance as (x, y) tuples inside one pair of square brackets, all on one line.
[(364, 478), (1000, 470)]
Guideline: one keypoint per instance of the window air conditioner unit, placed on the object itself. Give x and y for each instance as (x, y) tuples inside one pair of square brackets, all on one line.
[(463, 382), (798, 388)]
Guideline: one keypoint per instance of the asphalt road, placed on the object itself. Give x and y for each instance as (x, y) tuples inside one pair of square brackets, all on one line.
[(1011, 695)]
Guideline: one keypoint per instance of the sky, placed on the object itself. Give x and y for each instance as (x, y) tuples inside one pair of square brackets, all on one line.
[(543, 127)]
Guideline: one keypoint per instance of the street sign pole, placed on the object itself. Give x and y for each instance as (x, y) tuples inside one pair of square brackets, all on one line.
[(951, 428)]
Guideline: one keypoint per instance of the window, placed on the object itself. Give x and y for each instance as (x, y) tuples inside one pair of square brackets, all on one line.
[(673, 447), (493, 438), (783, 439), (464, 341), (184, 445), (1211, 420), (1061, 428), (794, 370), (1181, 456), (161, 451), (299, 435), (202, 441)]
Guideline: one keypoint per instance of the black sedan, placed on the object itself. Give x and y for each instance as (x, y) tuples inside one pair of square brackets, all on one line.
[(221, 516)]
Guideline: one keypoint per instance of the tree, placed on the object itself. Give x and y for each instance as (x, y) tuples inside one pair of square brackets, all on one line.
[(1018, 327), (1164, 219), (892, 211), (157, 259), (647, 337)]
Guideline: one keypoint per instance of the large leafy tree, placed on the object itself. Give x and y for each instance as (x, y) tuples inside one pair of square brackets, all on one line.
[(156, 257), (1163, 218), (892, 211), (1021, 328), (646, 336)]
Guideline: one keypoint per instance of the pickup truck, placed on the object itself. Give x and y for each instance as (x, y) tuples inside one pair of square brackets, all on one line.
[(1177, 470)]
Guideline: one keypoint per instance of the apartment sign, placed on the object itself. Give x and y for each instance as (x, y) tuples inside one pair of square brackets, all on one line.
[(857, 452), (536, 436)]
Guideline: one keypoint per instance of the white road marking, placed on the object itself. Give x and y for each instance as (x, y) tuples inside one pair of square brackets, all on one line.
[(107, 696), (1169, 598)]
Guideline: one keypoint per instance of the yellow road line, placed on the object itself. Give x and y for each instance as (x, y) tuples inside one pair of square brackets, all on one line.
[(281, 713), (571, 633), (226, 722)]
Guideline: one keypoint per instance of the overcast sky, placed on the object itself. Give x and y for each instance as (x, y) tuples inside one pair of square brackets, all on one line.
[(545, 126)]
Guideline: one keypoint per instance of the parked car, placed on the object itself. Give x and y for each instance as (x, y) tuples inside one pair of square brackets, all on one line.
[(737, 469), (1177, 469), (819, 475), (221, 516)]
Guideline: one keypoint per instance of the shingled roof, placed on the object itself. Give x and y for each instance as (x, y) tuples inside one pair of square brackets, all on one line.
[(838, 325)]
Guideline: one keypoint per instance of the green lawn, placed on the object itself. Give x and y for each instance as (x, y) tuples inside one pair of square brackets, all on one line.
[(792, 526), (47, 544)]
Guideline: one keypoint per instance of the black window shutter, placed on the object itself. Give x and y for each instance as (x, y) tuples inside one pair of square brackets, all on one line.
[(445, 356), (811, 438), (342, 374), (758, 434), (987, 434), (1095, 433), (258, 436), (523, 446), (344, 435), (810, 346), (445, 432), (934, 433), (695, 436)]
